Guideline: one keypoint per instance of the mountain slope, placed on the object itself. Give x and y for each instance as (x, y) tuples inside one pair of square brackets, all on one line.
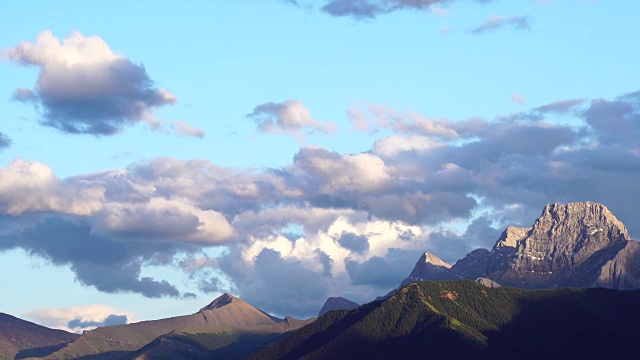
[(21, 339), (575, 244), (224, 314), (224, 342), (337, 303), (464, 319)]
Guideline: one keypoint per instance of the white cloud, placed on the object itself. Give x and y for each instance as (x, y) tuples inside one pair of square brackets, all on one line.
[(163, 219), (290, 117), (74, 319), (359, 172), (30, 186), (393, 145), (84, 87)]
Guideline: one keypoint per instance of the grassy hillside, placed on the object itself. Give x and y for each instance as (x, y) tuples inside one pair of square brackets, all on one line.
[(228, 326), (208, 343), (22, 339), (463, 319)]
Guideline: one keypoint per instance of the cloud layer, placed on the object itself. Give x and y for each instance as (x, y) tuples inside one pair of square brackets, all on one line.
[(327, 224), (83, 87)]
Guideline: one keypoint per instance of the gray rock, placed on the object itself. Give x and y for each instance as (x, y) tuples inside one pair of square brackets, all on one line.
[(337, 303), (429, 267), (487, 282), (574, 245)]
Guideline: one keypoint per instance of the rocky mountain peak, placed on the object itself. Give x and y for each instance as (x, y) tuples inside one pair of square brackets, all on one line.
[(580, 244), (220, 301), (580, 217), (337, 303), (566, 234), (428, 258), (511, 236), (429, 267)]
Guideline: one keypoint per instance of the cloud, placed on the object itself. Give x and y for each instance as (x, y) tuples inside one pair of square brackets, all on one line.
[(28, 186), (369, 9), (378, 116), (109, 266), (284, 286), (517, 98), (110, 320), (448, 244), (5, 141), (355, 8), (356, 243), (163, 219), (559, 107), (329, 223), (385, 272), (496, 21), (289, 117), (80, 318), (335, 172), (183, 128), (83, 87)]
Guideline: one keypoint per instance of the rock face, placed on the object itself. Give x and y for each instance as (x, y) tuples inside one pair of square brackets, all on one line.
[(487, 282), (574, 245), (431, 267), (337, 303)]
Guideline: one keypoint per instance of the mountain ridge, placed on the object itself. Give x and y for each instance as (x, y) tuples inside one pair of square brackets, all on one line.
[(574, 244), (465, 319), (337, 303), (20, 338), (225, 314)]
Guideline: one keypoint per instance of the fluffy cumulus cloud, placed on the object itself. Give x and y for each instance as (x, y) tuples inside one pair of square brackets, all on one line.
[(289, 117), (84, 87), (329, 223), (80, 318), (30, 186)]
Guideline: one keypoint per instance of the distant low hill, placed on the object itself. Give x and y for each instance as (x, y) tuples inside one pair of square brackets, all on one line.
[(21, 339), (467, 320), (227, 326)]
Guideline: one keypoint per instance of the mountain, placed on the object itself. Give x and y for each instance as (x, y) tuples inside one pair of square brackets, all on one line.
[(464, 319), (21, 339), (337, 303), (227, 324), (574, 245)]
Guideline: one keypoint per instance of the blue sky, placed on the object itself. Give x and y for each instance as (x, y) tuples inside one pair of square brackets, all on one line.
[(156, 154)]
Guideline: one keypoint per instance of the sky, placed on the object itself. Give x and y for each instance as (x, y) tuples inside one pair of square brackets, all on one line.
[(155, 154)]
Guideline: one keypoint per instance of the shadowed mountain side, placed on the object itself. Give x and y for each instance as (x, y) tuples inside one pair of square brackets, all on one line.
[(464, 319), (22, 339), (337, 303), (224, 312)]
